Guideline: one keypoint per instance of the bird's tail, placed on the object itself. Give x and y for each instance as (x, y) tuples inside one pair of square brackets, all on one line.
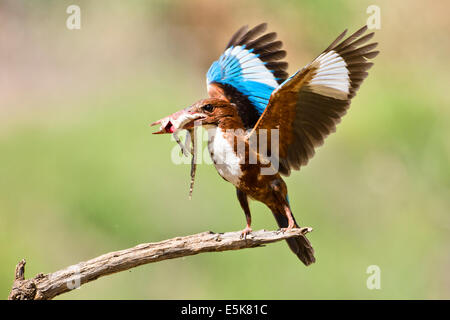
[(299, 245)]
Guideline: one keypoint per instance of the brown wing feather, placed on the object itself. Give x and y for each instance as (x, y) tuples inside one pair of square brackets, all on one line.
[(309, 105)]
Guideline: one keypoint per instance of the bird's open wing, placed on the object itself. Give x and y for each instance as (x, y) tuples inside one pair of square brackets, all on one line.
[(308, 105), (248, 71)]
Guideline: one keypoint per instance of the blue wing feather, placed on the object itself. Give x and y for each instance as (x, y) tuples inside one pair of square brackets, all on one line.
[(230, 69), (248, 71)]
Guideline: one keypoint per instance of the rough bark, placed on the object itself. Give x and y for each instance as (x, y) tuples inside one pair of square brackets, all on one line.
[(48, 286)]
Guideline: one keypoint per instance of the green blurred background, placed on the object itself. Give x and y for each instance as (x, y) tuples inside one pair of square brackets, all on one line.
[(81, 174)]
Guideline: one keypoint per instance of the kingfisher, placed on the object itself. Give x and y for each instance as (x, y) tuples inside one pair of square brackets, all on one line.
[(263, 123)]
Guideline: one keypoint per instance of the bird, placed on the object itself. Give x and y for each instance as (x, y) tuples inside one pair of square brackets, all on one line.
[(263, 123)]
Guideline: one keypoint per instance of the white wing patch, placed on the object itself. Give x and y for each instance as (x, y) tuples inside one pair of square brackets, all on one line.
[(250, 66), (331, 77)]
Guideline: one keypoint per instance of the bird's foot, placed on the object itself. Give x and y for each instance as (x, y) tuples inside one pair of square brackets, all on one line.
[(289, 228), (246, 232)]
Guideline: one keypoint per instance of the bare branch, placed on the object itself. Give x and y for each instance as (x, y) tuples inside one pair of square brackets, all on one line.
[(48, 286)]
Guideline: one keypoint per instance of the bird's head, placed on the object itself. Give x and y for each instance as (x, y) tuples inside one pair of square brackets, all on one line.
[(206, 112)]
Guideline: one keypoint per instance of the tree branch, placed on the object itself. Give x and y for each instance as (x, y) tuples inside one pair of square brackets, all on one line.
[(48, 286)]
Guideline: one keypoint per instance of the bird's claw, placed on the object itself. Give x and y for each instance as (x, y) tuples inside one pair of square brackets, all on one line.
[(289, 228), (246, 232)]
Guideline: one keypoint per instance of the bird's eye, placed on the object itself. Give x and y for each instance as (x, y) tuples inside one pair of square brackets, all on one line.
[(208, 107)]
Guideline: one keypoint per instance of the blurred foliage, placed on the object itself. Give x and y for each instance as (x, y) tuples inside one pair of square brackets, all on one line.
[(81, 174)]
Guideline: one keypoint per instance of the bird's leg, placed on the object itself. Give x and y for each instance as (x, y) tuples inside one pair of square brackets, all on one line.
[(290, 217), (242, 197), (280, 191), (248, 229)]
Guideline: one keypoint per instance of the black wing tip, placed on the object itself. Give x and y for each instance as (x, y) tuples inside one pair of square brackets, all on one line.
[(265, 45), (363, 29), (237, 35), (262, 25), (336, 41), (371, 55), (354, 49), (244, 35), (356, 37)]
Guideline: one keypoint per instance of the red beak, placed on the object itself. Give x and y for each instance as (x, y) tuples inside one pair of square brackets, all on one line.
[(168, 128), (169, 123), (182, 119)]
